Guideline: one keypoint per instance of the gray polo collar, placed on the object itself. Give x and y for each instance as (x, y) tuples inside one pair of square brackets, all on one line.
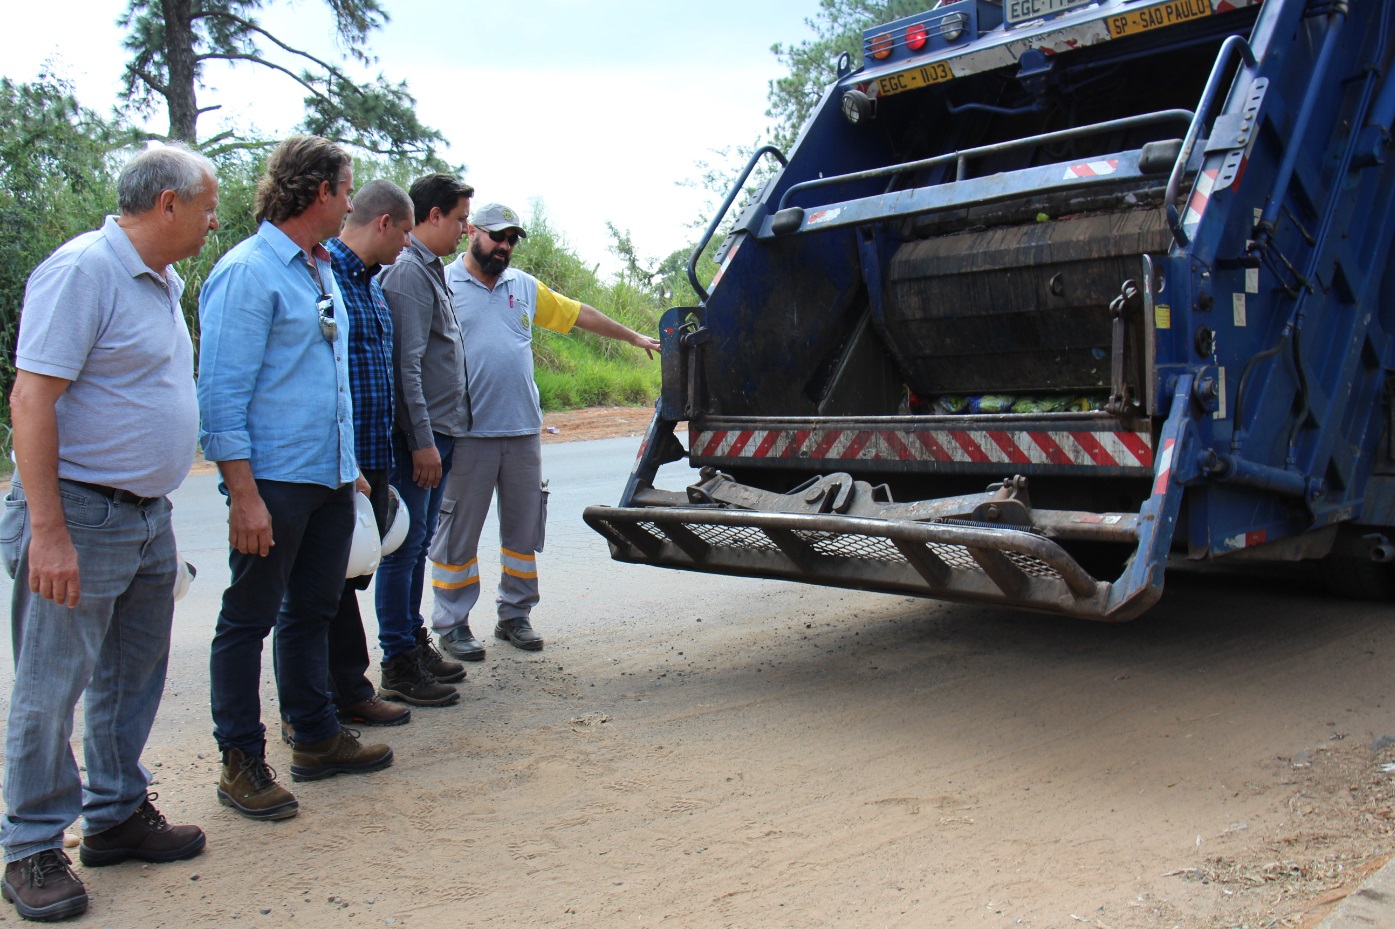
[(126, 252), (507, 275)]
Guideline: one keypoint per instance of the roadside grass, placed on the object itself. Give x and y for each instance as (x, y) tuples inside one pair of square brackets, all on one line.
[(579, 369)]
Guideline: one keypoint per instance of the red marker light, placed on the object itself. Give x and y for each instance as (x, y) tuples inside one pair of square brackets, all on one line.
[(881, 46), (915, 37)]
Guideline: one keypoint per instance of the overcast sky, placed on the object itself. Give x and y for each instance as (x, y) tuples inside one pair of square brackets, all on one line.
[(595, 106)]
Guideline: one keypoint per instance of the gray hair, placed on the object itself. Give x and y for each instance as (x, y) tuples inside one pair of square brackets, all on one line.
[(378, 198), (173, 167)]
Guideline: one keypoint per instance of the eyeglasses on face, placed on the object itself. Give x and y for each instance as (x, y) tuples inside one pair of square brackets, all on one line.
[(329, 327), (501, 236)]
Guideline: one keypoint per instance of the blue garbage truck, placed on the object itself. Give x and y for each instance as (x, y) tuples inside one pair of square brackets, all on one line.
[(1047, 294)]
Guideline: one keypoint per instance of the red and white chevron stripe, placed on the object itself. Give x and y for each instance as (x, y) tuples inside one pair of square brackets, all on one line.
[(976, 446), (1201, 195)]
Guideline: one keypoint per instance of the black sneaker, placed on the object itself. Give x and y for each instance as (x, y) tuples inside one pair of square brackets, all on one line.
[(43, 887)]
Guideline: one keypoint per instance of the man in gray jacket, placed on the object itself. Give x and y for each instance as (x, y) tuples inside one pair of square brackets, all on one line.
[(432, 410)]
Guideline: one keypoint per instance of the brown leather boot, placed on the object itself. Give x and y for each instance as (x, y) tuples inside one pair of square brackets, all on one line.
[(341, 753), (248, 785), (145, 835), (43, 887), (375, 711)]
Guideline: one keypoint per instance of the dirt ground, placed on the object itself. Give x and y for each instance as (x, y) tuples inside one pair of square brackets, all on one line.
[(718, 752), (596, 422)]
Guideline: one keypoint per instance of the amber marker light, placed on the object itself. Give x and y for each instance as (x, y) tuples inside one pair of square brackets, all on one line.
[(881, 46)]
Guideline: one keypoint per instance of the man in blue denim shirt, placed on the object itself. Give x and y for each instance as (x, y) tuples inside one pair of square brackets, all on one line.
[(276, 416), (104, 427)]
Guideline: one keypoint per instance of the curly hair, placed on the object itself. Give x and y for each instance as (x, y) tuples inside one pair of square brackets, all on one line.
[(293, 176)]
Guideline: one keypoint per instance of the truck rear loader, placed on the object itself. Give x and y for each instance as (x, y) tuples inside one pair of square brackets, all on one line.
[(1046, 293)]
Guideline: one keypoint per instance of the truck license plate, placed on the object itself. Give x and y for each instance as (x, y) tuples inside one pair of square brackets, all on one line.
[(1157, 16), (1020, 11), (934, 73)]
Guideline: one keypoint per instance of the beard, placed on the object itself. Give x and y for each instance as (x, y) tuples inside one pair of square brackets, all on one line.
[(491, 263)]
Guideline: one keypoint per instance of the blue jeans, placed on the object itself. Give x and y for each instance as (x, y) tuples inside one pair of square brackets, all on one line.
[(114, 644), (402, 574), (348, 647), (295, 589)]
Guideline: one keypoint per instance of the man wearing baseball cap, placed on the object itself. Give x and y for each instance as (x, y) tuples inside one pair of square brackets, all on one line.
[(497, 307)]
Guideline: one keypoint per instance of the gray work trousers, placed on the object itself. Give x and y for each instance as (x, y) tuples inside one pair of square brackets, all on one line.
[(512, 468)]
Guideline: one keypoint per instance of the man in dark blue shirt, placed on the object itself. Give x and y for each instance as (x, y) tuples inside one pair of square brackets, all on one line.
[(373, 235)]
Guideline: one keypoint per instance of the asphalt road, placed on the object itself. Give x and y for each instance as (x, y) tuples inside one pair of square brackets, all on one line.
[(577, 560)]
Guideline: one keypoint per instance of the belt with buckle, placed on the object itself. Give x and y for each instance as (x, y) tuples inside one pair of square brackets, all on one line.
[(114, 494)]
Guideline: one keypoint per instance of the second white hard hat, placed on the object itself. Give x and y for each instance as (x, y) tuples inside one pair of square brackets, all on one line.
[(398, 520), (366, 548)]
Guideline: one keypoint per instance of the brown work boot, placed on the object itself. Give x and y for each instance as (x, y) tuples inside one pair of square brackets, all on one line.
[(145, 835), (43, 887), (437, 665), (248, 785), (406, 680), (341, 753), (375, 711)]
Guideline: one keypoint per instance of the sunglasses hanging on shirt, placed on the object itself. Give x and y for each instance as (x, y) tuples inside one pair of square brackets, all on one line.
[(324, 305), (329, 328)]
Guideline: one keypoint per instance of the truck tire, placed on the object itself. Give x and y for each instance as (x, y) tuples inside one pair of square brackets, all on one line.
[(1358, 578)]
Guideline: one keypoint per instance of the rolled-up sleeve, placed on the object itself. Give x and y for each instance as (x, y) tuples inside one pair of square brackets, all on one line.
[(235, 315), (411, 302)]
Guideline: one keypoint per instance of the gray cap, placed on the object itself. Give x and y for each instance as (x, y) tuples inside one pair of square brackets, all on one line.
[(495, 217)]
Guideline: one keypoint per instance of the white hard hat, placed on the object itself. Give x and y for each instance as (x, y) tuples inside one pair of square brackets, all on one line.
[(184, 576), (366, 548), (398, 520)]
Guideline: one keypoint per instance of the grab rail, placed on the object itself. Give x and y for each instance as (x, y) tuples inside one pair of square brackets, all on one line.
[(1208, 100), (722, 212)]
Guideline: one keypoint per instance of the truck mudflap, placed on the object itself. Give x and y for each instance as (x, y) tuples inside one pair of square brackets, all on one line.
[(833, 530)]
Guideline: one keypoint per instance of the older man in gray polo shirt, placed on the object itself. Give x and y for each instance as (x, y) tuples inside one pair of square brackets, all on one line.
[(105, 424)]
